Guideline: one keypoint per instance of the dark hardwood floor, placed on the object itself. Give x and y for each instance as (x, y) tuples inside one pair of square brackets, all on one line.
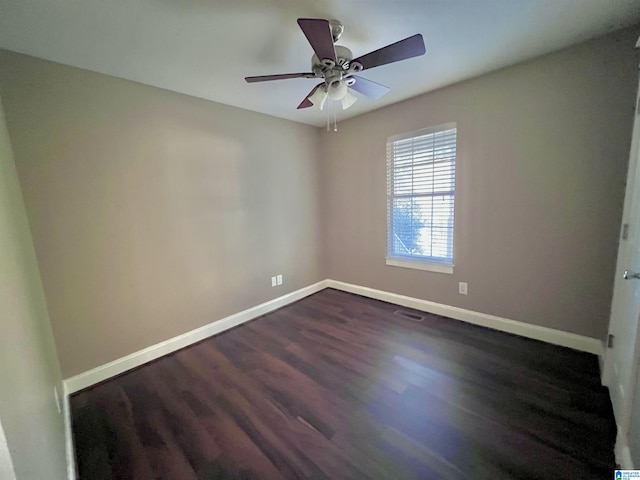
[(337, 386)]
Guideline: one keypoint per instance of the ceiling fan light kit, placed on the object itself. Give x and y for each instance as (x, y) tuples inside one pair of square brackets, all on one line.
[(318, 97), (335, 65), (348, 100)]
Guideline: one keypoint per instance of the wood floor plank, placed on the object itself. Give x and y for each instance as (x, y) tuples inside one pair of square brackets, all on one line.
[(338, 386)]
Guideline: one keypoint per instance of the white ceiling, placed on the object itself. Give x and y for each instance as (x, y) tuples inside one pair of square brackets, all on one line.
[(205, 48)]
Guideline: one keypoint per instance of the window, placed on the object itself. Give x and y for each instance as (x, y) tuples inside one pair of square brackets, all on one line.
[(421, 173)]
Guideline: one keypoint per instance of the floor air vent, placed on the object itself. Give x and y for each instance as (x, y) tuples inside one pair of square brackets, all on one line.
[(409, 315)]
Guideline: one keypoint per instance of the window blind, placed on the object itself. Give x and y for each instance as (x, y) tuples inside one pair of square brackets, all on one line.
[(421, 169)]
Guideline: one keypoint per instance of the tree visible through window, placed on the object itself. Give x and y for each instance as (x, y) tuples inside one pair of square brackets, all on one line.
[(407, 223), (420, 196)]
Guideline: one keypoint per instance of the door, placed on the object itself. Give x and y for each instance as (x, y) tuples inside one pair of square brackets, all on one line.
[(621, 358)]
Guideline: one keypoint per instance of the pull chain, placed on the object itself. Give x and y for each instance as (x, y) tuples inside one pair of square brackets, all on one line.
[(328, 120), (332, 105)]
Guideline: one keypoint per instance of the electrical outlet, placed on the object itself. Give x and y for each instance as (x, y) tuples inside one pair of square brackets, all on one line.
[(58, 399), (462, 288), (279, 279), (273, 281)]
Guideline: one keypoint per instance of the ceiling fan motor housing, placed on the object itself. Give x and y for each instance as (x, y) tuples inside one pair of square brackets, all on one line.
[(334, 71)]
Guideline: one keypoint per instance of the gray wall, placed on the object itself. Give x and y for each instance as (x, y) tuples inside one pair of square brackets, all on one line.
[(542, 155), (154, 213), (29, 372)]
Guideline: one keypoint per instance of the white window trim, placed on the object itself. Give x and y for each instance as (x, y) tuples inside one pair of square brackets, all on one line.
[(417, 263), (423, 131)]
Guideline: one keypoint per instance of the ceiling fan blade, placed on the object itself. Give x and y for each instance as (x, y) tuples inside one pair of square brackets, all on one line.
[(370, 89), (306, 103), (407, 48), (282, 76), (319, 35)]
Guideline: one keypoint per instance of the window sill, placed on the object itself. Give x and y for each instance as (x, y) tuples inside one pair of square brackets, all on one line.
[(431, 267)]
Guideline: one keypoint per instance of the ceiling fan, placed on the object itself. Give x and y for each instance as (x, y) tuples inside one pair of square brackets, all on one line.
[(337, 67)]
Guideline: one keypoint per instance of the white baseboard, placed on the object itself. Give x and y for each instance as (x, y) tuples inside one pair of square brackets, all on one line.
[(121, 365), (545, 334), (68, 436), (622, 453), (602, 363)]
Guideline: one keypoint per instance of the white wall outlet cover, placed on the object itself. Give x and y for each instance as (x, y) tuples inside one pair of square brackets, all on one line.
[(273, 281), (463, 288), (279, 279)]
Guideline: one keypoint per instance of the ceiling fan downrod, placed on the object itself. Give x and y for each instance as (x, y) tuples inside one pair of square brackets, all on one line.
[(336, 28)]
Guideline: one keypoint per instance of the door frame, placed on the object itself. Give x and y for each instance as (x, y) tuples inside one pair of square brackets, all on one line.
[(630, 221)]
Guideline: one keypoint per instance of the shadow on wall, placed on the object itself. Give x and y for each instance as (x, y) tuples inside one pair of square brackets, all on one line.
[(209, 185), (192, 221)]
